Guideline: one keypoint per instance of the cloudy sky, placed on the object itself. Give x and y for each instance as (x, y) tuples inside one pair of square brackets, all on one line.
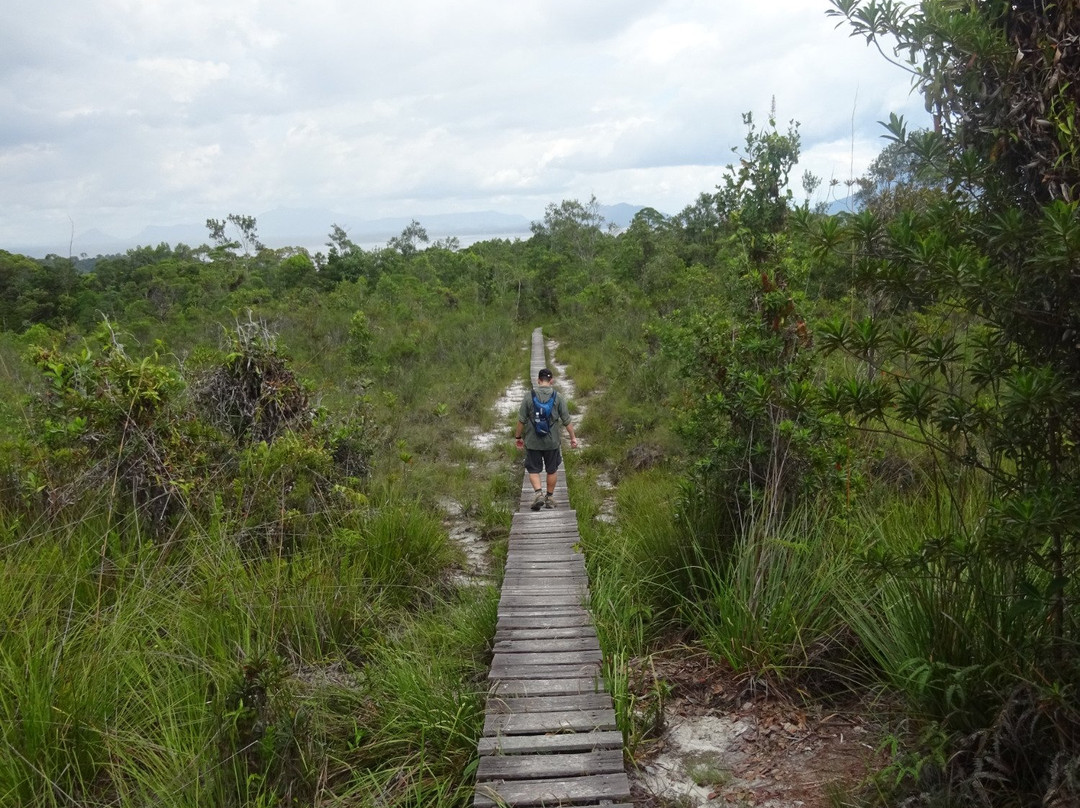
[(117, 114)]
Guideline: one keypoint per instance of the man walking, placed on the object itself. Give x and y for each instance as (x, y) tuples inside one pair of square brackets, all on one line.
[(542, 450)]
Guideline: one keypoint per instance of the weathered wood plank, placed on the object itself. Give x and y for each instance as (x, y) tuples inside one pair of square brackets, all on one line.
[(557, 598), (565, 533), (509, 602), (567, 764), (543, 561), (544, 723), (514, 670), (528, 519), (564, 599), (569, 791), (544, 565), (497, 704), (544, 744), (528, 618), (546, 657), (523, 688), (566, 584), (553, 633), (569, 592), (511, 620), (547, 644)]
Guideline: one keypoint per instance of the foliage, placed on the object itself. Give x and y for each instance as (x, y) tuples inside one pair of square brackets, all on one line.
[(771, 608), (253, 395), (755, 197), (962, 339), (105, 425), (1000, 80)]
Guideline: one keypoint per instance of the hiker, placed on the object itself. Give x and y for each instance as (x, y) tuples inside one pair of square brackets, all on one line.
[(542, 450)]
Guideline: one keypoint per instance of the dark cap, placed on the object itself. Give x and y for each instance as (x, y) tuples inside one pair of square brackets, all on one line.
[(544, 374)]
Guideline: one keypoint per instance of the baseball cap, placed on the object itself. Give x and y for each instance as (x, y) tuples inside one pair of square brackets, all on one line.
[(544, 374)]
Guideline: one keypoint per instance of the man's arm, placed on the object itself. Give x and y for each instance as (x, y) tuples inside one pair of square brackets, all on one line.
[(567, 422)]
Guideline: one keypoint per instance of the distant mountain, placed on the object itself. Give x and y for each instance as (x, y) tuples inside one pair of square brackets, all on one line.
[(310, 228), (845, 205), (620, 215)]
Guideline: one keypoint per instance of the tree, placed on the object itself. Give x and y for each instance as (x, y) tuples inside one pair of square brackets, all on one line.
[(571, 229), (1000, 80), (406, 242), (969, 345), (897, 179), (755, 196), (246, 227)]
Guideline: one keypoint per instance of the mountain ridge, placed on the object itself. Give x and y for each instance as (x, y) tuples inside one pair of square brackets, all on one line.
[(305, 227)]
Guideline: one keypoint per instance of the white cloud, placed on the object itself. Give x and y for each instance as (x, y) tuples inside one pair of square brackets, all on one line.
[(130, 113)]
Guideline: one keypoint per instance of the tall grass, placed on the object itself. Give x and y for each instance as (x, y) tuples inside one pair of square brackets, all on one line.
[(204, 677), (951, 628), (426, 691), (774, 603), (636, 568)]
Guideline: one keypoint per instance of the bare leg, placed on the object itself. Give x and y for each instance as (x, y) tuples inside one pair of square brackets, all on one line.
[(551, 478), (535, 480)]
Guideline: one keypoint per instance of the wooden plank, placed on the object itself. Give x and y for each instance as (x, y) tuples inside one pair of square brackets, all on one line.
[(551, 531), (512, 670), (547, 657), (531, 525), (549, 744), (545, 723), (561, 519), (567, 764), (497, 705), (571, 599), (511, 620), (524, 585), (568, 791), (508, 603), (542, 560), (547, 644), (567, 591), (515, 688), (544, 565), (552, 633), (530, 617)]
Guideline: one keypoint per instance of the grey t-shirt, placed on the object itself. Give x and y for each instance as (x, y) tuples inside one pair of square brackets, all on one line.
[(561, 416)]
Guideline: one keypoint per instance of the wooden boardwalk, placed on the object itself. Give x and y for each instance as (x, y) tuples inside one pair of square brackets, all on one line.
[(549, 733)]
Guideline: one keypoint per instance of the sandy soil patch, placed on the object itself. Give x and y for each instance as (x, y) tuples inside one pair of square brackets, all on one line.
[(726, 742)]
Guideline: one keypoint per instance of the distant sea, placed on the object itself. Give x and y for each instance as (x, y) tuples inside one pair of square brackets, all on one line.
[(463, 241)]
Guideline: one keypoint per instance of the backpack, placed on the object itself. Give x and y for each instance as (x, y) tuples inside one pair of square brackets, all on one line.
[(543, 416)]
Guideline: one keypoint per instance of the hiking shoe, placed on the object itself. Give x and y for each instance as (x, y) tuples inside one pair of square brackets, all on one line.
[(538, 501), (549, 502)]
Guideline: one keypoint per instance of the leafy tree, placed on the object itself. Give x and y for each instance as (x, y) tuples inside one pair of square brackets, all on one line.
[(755, 193), (406, 243), (999, 78), (346, 261), (571, 229), (967, 343), (745, 353), (897, 179)]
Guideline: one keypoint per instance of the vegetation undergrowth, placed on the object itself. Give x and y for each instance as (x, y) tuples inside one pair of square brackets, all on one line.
[(836, 451)]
